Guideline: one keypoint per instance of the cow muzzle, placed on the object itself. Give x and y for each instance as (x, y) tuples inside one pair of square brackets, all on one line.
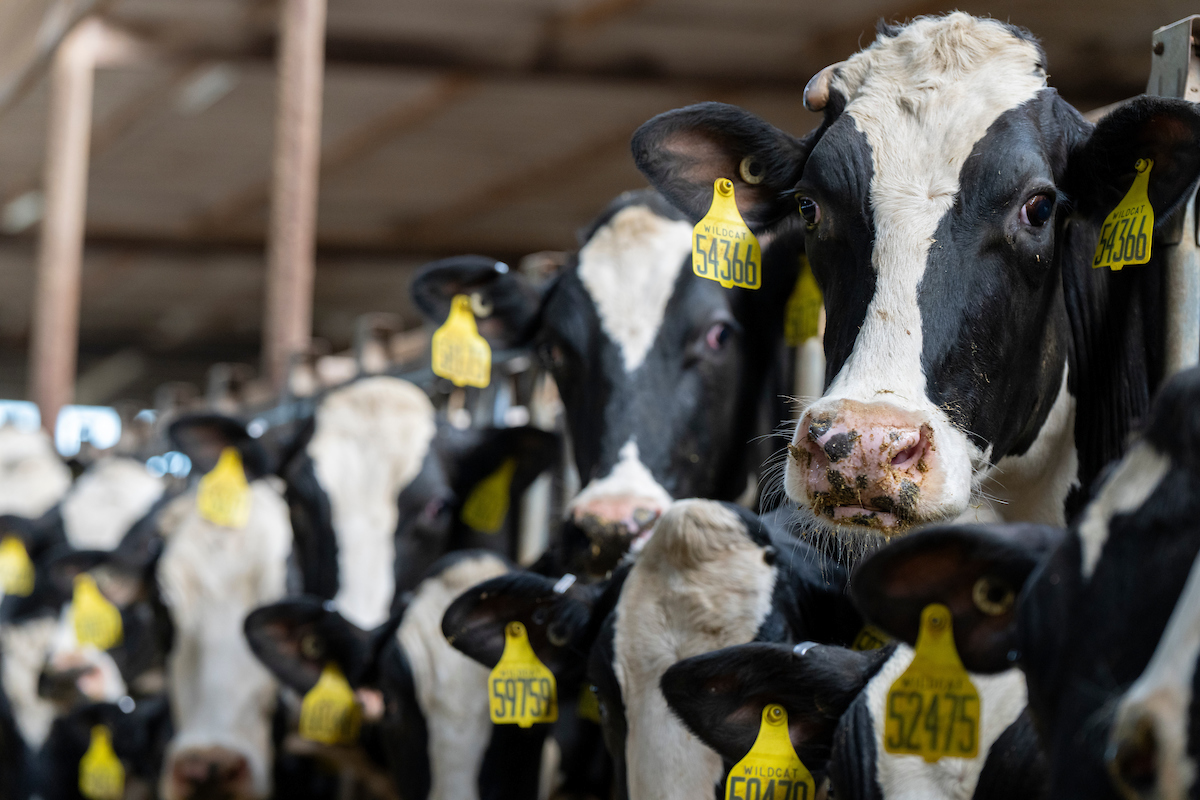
[(211, 773), (613, 525)]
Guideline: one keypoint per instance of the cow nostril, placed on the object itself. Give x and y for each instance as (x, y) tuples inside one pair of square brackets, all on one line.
[(818, 428), (1133, 759), (840, 445)]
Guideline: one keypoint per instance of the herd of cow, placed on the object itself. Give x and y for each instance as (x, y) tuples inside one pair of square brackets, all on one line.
[(998, 453)]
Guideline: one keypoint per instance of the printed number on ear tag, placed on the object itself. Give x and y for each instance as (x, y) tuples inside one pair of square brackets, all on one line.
[(329, 713), (101, 776), (487, 505), (870, 638), (460, 354), (723, 248), (771, 768), (521, 689), (97, 622), (223, 497), (933, 708), (802, 319), (16, 568), (1128, 232)]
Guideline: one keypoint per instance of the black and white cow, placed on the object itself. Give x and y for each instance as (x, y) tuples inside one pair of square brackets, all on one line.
[(663, 374), (949, 203)]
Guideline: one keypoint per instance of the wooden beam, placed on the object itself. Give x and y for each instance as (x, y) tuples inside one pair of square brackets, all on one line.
[(287, 324), (55, 335)]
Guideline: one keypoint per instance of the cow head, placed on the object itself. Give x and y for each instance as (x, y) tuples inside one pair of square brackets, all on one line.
[(948, 199)]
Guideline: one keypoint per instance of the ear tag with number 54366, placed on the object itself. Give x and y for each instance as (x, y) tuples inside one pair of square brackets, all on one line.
[(521, 690), (771, 768), (723, 248), (1127, 234), (223, 496), (933, 708), (460, 354)]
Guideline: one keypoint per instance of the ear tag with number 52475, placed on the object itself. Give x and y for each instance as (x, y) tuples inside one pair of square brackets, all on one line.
[(521, 689), (223, 497), (933, 708), (329, 712), (802, 318), (16, 568), (771, 768), (101, 776), (487, 505), (1127, 234), (460, 354), (723, 248), (97, 621)]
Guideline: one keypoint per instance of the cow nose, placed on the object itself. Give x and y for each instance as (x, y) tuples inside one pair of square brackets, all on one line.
[(864, 463), (212, 772), (1133, 757), (612, 525)]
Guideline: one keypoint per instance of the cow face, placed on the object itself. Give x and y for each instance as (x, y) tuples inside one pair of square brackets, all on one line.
[(32, 475), (949, 204), (644, 355)]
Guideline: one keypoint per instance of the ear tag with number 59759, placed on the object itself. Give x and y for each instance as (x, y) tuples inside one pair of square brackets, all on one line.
[(933, 708), (723, 248), (487, 504), (771, 768), (521, 689), (223, 496), (460, 354), (101, 776), (1127, 234)]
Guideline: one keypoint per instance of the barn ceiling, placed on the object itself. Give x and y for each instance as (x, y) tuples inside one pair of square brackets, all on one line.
[(493, 126)]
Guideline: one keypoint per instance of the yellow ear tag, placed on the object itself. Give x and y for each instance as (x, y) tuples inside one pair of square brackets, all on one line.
[(723, 248), (589, 704), (522, 690), (460, 354), (487, 505), (101, 776), (870, 638), (933, 708), (803, 315), (329, 713), (771, 768), (223, 497), (16, 568), (97, 621), (1128, 232)]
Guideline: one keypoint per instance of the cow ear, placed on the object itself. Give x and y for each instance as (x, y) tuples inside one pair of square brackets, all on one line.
[(557, 615), (720, 696), (1101, 169), (532, 450), (202, 438), (506, 305), (977, 571), (683, 153)]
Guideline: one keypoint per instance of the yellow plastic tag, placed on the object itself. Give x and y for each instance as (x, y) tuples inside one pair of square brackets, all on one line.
[(802, 319), (487, 505), (933, 708), (223, 497), (771, 768), (460, 354), (329, 713), (101, 776), (97, 621), (723, 248), (589, 705), (1128, 232), (870, 638), (522, 690), (16, 568)]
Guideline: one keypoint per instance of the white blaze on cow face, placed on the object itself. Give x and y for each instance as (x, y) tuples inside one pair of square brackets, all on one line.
[(24, 646), (32, 476), (922, 99), (451, 689), (369, 442), (629, 268), (106, 501), (699, 585), (1134, 480), (221, 697)]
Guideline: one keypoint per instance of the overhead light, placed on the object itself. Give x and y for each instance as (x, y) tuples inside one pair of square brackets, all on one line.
[(22, 213)]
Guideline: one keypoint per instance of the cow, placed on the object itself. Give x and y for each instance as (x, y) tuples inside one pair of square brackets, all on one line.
[(663, 374), (950, 203)]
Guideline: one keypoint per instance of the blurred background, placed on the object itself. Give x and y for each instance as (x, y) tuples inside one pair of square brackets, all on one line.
[(490, 126)]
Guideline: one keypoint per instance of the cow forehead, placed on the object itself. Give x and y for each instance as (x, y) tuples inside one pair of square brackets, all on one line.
[(629, 268)]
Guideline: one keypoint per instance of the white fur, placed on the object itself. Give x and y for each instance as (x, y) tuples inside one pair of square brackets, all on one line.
[(32, 476), (108, 498), (629, 477), (451, 689), (211, 577), (1134, 479), (922, 100), (699, 585), (24, 646), (629, 267), (1002, 698), (369, 442)]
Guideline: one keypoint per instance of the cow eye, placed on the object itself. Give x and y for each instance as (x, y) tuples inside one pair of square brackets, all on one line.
[(717, 336), (1037, 210), (809, 210)]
